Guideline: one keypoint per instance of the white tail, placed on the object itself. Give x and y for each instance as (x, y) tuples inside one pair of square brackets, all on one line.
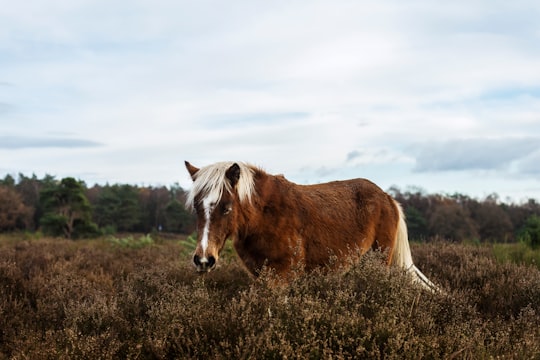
[(402, 254)]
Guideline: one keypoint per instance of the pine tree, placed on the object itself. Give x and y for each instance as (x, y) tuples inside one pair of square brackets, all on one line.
[(530, 233), (67, 211)]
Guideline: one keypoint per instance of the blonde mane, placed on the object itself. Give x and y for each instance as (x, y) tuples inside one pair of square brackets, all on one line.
[(211, 180)]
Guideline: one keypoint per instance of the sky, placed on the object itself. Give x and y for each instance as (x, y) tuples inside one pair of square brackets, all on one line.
[(439, 95)]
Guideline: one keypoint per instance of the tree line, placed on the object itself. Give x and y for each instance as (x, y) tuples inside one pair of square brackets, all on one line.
[(458, 217), (69, 208)]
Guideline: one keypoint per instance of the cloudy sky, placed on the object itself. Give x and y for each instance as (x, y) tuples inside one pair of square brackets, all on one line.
[(444, 95)]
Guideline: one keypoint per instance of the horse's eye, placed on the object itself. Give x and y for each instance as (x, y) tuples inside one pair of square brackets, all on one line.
[(227, 209)]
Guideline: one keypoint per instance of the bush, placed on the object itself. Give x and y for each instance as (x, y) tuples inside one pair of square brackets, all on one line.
[(530, 234), (519, 253), (91, 299), (131, 242)]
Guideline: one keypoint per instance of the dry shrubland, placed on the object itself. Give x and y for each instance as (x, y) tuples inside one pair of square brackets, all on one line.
[(91, 299)]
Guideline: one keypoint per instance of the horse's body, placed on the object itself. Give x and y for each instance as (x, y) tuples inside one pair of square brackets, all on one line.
[(282, 225)]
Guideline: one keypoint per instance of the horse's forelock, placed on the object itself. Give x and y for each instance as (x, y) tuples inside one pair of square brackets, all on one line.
[(210, 181)]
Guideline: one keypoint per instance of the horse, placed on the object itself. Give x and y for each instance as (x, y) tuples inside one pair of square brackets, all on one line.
[(282, 225)]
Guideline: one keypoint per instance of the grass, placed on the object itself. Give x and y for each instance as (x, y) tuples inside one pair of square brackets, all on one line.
[(131, 241), (519, 253), (94, 299)]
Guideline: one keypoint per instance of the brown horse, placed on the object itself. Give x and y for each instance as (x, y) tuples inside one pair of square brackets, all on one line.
[(282, 225)]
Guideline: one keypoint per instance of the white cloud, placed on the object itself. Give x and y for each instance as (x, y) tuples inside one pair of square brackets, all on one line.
[(18, 142), (530, 165), (473, 153), (159, 82)]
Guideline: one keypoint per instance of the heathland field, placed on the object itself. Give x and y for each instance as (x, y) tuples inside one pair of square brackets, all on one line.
[(138, 298)]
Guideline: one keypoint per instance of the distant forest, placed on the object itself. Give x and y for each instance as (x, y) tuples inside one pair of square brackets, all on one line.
[(69, 208)]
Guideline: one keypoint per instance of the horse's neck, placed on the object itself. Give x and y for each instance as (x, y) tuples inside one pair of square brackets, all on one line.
[(275, 195), (268, 232)]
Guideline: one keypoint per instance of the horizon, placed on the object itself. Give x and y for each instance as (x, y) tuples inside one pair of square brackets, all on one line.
[(408, 189)]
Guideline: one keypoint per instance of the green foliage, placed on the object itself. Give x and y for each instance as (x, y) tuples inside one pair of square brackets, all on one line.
[(67, 211), (131, 242), (86, 229), (177, 218), (519, 253), (530, 234), (108, 230), (118, 206), (189, 244), (114, 208), (8, 181), (53, 224), (417, 224)]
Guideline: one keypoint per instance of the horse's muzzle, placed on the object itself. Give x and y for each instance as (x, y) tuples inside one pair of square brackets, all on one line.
[(204, 264)]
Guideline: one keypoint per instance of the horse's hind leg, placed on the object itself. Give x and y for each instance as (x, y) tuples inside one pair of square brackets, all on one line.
[(385, 246)]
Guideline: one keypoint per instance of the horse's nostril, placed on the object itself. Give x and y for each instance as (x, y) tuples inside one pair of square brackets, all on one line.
[(197, 260), (205, 263)]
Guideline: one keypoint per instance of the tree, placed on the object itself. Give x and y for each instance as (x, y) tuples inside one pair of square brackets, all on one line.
[(450, 221), (67, 211), (417, 225), (530, 234), (118, 207), (14, 214), (8, 181), (492, 222), (152, 202), (519, 214), (30, 188), (177, 218)]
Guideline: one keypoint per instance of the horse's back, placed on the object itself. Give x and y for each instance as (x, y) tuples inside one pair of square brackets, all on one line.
[(341, 216), (356, 197)]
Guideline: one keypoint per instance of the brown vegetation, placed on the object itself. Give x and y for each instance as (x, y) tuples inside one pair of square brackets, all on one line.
[(13, 212), (89, 299)]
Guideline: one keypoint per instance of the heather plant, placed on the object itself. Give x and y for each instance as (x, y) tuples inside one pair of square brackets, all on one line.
[(93, 299)]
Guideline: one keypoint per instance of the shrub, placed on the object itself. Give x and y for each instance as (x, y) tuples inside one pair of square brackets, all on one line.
[(131, 242), (519, 253), (88, 299), (530, 234)]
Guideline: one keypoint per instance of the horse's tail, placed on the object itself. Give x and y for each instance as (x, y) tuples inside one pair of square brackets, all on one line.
[(402, 254)]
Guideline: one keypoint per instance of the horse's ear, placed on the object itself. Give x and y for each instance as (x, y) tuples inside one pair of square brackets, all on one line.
[(233, 174), (191, 169)]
